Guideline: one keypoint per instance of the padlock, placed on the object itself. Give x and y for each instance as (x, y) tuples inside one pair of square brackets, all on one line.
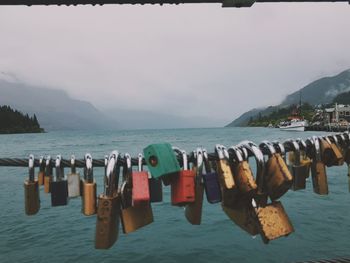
[(41, 173), (241, 212), (241, 215), (161, 160), (224, 169), (304, 158), (211, 181), (330, 153), (318, 170), (107, 220), (243, 175), (346, 147), (140, 186), (132, 217), (296, 168), (155, 189), (31, 190), (272, 220), (193, 211), (182, 185), (73, 179), (89, 188), (277, 178), (48, 175), (59, 187), (337, 149)]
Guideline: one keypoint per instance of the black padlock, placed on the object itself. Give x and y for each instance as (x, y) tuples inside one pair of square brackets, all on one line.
[(59, 187), (155, 190)]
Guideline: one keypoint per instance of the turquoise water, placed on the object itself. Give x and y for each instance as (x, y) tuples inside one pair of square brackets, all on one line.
[(63, 234)]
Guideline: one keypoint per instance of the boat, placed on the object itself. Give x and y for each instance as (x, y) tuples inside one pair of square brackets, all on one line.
[(295, 121), (293, 125)]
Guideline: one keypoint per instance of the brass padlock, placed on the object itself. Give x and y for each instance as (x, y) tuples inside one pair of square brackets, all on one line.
[(337, 148), (272, 220), (249, 148), (318, 169), (31, 190), (224, 169), (330, 153), (89, 188), (242, 172), (298, 170), (107, 220), (241, 213), (73, 179), (41, 173), (277, 178), (304, 158), (193, 211), (132, 217), (48, 175)]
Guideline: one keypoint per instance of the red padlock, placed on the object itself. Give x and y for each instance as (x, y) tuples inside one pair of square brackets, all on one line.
[(182, 185), (140, 186)]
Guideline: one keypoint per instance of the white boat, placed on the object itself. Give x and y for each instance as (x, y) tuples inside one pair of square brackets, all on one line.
[(293, 125)]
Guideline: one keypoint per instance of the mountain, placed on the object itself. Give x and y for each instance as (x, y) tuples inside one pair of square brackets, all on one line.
[(244, 118), (54, 109), (343, 98), (321, 91)]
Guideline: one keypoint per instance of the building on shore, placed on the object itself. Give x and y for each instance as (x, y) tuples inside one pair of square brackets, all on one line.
[(339, 115)]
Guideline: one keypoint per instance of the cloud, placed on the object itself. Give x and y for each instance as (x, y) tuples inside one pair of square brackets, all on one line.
[(193, 60)]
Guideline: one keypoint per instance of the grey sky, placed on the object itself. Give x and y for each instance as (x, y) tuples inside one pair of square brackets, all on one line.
[(200, 60)]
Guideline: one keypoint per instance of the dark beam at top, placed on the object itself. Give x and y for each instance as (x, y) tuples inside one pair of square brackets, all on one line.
[(225, 3)]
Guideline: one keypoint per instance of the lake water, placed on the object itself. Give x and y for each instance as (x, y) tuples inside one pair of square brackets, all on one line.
[(63, 234)]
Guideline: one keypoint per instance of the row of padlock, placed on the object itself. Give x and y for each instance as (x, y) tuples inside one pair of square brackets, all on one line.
[(228, 180)]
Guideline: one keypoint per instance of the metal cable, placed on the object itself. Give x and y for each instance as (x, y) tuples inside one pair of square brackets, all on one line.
[(22, 162)]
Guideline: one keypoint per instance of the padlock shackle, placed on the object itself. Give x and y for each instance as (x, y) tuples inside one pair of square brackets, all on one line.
[(221, 152), (184, 158), (72, 164), (294, 145), (112, 174), (317, 148), (279, 147), (31, 168), (140, 162), (127, 169), (268, 146), (302, 144), (236, 153), (122, 194), (199, 163), (48, 166), (88, 169), (254, 150), (206, 161), (333, 138), (341, 139), (59, 168), (42, 164), (105, 162), (326, 138)]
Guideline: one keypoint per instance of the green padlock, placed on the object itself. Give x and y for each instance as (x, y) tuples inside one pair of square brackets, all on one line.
[(161, 160)]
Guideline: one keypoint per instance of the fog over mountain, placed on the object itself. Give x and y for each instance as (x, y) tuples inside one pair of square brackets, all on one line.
[(56, 110)]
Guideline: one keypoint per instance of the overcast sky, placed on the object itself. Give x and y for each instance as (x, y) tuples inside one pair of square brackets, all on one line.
[(199, 60)]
